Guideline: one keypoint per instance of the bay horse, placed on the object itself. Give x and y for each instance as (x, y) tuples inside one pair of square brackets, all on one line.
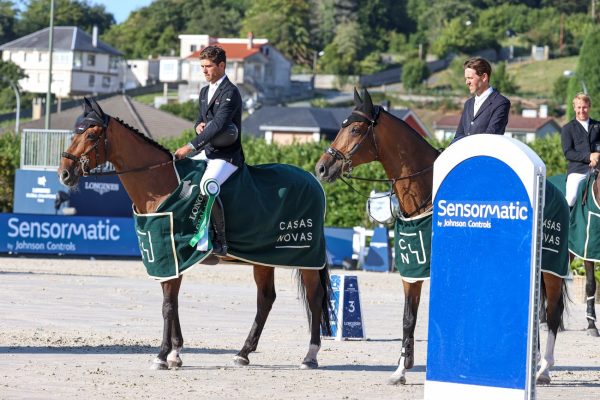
[(372, 134), (147, 172)]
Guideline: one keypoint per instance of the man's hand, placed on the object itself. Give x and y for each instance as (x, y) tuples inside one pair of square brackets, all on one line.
[(200, 128), (183, 151), (594, 159)]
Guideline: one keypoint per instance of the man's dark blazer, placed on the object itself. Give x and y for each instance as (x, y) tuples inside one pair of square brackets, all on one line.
[(577, 144), (491, 117), (225, 107)]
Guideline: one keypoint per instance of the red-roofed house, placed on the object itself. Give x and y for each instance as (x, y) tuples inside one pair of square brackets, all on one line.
[(255, 66), (525, 129)]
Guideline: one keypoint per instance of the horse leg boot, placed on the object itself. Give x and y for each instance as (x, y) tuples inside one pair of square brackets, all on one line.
[(169, 311), (264, 277), (590, 299), (552, 286), (217, 218), (412, 298)]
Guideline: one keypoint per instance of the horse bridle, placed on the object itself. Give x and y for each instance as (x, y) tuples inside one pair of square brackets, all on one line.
[(346, 159), (84, 160)]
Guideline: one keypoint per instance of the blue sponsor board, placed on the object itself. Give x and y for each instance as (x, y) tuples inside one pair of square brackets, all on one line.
[(484, 271), (346, 303), (101, 195), (48, 234), (379, 255), (36, 191)]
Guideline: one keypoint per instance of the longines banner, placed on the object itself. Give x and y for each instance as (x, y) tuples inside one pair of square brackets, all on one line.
[(49, 234)]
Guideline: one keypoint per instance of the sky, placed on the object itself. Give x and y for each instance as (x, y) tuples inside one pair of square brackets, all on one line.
[(121, 8)]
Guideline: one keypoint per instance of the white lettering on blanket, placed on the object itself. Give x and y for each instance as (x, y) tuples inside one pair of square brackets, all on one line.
[(295, 233)]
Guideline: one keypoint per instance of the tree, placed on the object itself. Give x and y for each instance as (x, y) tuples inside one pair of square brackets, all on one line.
[(414, 72), (502, 81), (587, 73), (214, 17), (66, 13), (341, 54), (285, 23), (10, 72), (7, 21)]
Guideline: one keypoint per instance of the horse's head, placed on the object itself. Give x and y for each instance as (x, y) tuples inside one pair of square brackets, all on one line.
[(354, 143), (88, 147)]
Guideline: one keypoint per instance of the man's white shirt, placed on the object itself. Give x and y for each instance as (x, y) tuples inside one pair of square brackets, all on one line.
[(212, 88), (480, 99)]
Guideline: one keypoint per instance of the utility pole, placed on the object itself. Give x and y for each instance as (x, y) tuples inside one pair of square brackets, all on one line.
[(18, 98), (50, 50)]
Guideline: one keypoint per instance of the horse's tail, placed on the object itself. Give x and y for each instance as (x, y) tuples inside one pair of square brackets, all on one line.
[(327, 311)]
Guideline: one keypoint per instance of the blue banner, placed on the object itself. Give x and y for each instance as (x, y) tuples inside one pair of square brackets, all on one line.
[(480, 268), (35, 191), (65, 235)]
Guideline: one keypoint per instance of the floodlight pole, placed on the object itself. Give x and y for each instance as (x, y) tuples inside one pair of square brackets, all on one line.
[(18, 98)]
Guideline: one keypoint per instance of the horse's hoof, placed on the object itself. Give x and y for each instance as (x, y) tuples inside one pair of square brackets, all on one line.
[(543, 326), (174, 364), (159, 365), (543, 380), (241, 361), (309, 364), (395, 380), (593, 332)]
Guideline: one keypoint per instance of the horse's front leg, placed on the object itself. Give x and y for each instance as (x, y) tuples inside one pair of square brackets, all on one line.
[(315, 291), (412, 298), (590, 298), (172, 342), (264, 277), (553, 286)]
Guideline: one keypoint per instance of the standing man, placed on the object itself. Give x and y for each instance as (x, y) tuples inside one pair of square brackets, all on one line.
[(487, 111), (579, 139), (217, 127)]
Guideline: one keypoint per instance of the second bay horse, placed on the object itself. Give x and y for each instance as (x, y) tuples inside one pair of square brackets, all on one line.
[(372, 134)]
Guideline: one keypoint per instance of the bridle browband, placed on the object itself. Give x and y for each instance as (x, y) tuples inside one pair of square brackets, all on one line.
[(346, 159), (84, 160)]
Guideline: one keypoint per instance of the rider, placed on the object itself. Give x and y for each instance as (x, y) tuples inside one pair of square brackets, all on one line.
[(220, 114), (579, 139)]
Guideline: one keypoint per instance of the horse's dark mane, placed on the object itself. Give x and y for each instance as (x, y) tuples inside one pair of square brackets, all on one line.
[(410, 128), (144, 137)]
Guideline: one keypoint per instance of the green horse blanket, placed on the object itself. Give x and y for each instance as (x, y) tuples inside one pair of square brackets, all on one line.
[(274, 216), (412, 247), (584, 224)]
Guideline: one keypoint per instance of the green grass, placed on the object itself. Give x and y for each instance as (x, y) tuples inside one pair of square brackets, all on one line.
[(536, 78), (148, 98)]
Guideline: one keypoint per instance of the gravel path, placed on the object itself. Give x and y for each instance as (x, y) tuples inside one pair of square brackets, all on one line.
[(89, 329)]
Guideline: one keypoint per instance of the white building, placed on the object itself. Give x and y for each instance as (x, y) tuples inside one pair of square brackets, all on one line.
[(141, 73), (255, 66), (81, 64)]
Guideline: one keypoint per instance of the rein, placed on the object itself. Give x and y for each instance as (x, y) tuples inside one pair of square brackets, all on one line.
[(347, 163), (84, 160)]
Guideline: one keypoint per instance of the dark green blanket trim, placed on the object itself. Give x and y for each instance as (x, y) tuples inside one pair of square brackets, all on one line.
[(584, 233), (412, 246)]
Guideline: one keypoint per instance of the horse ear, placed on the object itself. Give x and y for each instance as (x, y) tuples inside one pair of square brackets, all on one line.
[(357, 100), (97, 109), (368, 101), (87, 106)]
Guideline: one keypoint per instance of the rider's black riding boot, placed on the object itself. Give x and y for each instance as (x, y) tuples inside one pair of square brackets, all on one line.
[(217, 218)]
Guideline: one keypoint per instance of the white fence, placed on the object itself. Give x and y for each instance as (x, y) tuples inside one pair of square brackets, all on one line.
[(42, 148)]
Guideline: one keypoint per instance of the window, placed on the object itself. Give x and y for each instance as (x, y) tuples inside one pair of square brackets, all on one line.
[(77, 59), (106, 81), (114, 62), (92, 80), (91, 60), (193, 48)]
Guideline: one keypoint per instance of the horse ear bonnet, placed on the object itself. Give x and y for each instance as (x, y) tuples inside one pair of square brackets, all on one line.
[(90, 117)]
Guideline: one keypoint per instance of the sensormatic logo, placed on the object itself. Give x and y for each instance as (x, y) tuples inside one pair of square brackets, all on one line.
[(102, 187), (487, 210)]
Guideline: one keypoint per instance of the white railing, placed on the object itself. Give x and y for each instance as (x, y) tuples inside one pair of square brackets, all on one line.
[(42, 148)]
